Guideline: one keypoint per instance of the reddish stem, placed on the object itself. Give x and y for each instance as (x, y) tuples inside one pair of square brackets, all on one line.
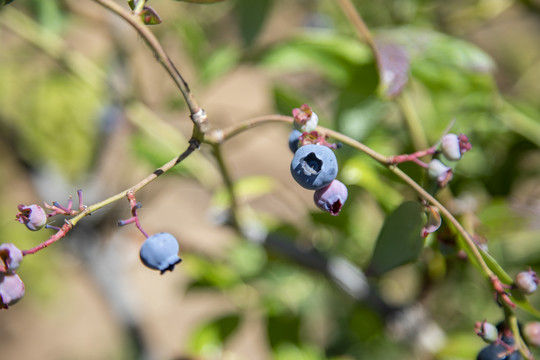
[(81, 205), (60, 234), (398, 159)]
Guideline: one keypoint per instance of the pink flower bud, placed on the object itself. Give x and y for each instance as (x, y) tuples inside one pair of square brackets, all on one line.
[(488, 332)]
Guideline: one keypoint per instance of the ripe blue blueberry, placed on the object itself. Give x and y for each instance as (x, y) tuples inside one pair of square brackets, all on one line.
[(294, 138), (160, 252), (331, 198), (314, 166)]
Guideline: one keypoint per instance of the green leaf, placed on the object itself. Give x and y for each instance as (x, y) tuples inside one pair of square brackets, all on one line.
[(209, 339), (335, 57), (523, 302), (251, 17), (246, 189), (282, 329), (400, 239), (201, 1)]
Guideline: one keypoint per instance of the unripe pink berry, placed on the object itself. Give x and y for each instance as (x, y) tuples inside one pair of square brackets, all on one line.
[(332, 197), (10, 257), (531, 333), (440, 172), (487, 331), (33, 216), (450, 147), (527, 281), (11, 289)]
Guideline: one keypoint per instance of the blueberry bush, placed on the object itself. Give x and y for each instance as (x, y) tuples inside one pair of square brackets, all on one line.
[(307, 179)]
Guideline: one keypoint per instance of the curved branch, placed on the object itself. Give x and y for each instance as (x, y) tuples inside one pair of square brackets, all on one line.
[(197, 114)]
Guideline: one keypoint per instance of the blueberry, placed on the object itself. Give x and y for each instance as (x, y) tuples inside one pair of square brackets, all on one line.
[(11, 289), (497, 351), (450, 147), (314, 166), (531, 333), (331, 198), (33, 216), (10, 257), (527, 281), (294, 138), (160, 252)]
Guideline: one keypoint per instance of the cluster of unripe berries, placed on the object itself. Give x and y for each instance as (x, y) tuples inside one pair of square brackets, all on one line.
[(500, 339), (314, 165), (452, 148), (158, 252)]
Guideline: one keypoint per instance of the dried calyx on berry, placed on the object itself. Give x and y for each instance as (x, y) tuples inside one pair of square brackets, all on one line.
[(160, 252), (10, 258), (33, 216), (305, 120)]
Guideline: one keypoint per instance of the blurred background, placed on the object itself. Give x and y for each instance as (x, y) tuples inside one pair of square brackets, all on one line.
[(85, 105)]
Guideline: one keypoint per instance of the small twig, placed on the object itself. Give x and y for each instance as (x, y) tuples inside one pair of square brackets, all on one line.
[(161, 55)]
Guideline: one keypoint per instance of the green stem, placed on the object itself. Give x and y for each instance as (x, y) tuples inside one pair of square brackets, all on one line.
[(359, 25), (413, 121), (236, 129), (224, 170), (197, 114)]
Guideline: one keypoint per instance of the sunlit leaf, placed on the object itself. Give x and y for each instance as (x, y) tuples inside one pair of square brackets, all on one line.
[(246, 189), (400, 239)]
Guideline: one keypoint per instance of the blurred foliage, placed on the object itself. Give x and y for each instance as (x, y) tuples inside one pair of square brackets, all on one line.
[(48, 117)]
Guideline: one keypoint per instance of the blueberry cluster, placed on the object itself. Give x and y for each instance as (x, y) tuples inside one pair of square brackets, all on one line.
[(11, 285), (314, 165), (452, 148)]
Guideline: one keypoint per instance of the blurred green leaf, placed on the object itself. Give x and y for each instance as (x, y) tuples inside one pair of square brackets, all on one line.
[(246, 189), (221, 61), (201, 1), (293, 352), (5, 2), (400, 239), (251, 17), (286, 98), (335, 57), (283, 329), (209, 339)]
